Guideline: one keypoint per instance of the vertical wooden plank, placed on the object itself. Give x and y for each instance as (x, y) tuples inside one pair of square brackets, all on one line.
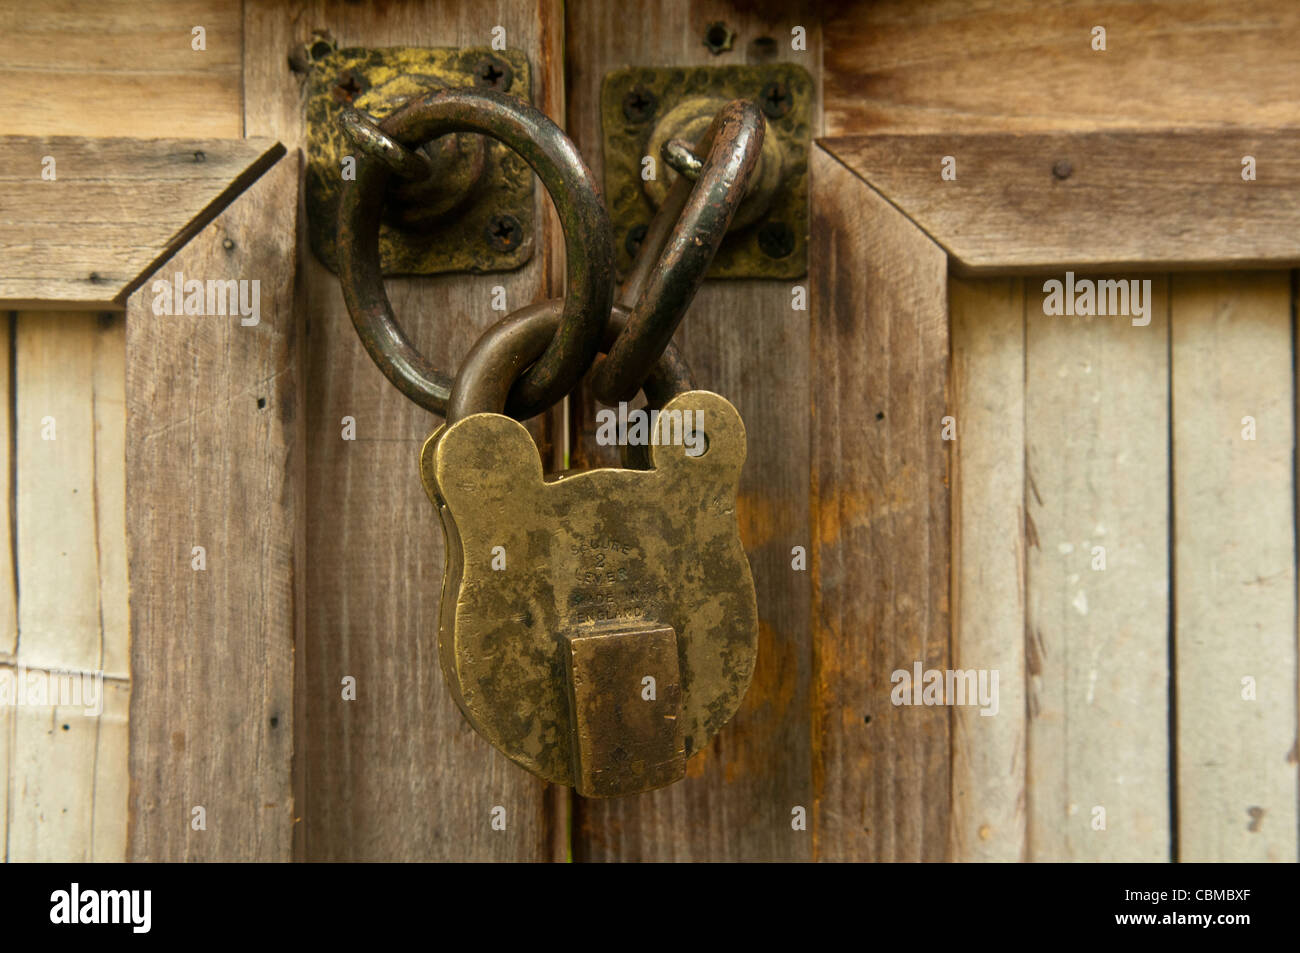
[(213, 459), (988, 574), (737, 800), (9, 678), (1234, 537), (396, 774), (68, 402), (108, 416), (68, 768), (882, 543), (68, 797), (51, 785), (109, 803), (743, 340), (8, 592), (1096, 431)]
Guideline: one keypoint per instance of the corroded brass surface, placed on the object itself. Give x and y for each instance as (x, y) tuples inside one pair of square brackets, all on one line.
[(624, 709), (447, 222), (581, 553), (642, 107)]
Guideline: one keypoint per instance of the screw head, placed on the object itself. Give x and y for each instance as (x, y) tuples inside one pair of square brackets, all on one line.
[(718, 37), (303, 56), (349, 86), (639, 104), (775, 239), (504, 233), (775, 100), (1062, 170), (493, 73)]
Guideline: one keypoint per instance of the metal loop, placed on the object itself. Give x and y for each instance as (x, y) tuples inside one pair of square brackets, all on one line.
[(682, 158), (510, 345), (589, 258), (410, 164), (679, 247)]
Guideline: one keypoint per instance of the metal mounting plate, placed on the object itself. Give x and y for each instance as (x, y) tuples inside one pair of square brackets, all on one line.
[(377, 81), (747, 252)]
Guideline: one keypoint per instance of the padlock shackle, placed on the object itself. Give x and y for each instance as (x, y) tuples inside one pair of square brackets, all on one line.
[(505, 351), (679, 247)]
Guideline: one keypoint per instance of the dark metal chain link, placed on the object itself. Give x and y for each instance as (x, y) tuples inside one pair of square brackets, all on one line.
[(545, 349)]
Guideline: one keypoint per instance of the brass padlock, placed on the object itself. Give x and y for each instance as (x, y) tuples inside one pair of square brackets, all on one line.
[(598, 627)]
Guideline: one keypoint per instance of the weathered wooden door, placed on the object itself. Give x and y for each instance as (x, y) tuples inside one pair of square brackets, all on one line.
[(1090, 514)]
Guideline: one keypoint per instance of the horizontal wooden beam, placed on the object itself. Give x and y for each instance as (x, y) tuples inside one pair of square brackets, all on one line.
[(952, 65), (84, 221), (122, 68), (1023, 203)]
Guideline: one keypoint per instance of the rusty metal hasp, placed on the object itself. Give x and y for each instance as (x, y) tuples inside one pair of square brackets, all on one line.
[(465, 202)]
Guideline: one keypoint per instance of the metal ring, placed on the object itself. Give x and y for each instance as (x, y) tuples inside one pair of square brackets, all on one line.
[(369, 138), (679, 246), (505, 349), (682, 158), (587, 232)]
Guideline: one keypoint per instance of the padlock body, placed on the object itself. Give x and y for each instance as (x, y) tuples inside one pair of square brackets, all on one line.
[(562, 596)]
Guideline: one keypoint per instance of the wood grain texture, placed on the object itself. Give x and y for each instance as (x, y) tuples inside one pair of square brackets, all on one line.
[(68, 778), (880, 512), (1234, 549), (8, 590), (988, 574), (213, 459), (954, 66), (1097, 640), (745, 342), (120, 67), (1151, 200), (397, 774), (6, 759), (115, 211), (71, 533), (68, 769)]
